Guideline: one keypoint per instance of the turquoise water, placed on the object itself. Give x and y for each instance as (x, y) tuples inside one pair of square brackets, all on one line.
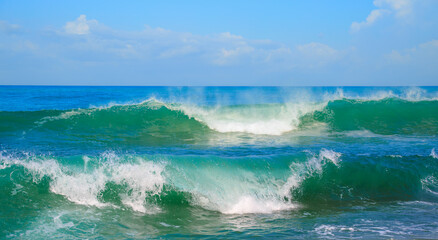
[(218, 162)]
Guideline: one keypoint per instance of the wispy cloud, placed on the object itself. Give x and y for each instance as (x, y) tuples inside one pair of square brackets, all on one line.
[(317, 54), (223, 49), (425, 53)]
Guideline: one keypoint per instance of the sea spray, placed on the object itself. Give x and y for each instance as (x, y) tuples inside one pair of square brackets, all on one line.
[(434, 154)]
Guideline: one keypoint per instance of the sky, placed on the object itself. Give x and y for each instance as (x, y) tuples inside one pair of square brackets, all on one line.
[(219, 43)]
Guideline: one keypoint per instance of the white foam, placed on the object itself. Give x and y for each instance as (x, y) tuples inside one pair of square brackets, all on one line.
[(64, 115), (314, 164), (330, 155), (274, 119), (141, 178), (325, 230), (430, 184), (434, 154), (80, 188), (329, 230), (269, 127), (250, 204), (292, 182)]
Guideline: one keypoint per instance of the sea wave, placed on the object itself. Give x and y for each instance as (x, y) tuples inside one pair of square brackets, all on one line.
[(150, 184), (154, 122)]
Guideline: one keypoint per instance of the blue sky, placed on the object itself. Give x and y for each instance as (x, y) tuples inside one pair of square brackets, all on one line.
[(285, 43)]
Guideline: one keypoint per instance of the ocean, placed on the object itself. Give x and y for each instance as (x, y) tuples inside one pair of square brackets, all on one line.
[(218, 162)]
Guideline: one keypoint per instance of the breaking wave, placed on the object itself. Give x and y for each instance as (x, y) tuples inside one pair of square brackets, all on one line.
[(153, 122), (150, 184)]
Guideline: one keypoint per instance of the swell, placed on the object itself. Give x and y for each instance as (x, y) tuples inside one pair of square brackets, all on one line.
[(151, 184), (154, 122)]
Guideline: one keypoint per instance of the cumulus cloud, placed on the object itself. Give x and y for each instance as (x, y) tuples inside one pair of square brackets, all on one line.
[(80, 26), (401, 8)]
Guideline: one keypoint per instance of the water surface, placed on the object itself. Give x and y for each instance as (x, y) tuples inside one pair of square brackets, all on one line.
[(218, 162)]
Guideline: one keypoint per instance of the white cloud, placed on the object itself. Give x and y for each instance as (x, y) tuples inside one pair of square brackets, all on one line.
[(151, 45), (401, 8), (224, 49), (372, 17), (80, 26)]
